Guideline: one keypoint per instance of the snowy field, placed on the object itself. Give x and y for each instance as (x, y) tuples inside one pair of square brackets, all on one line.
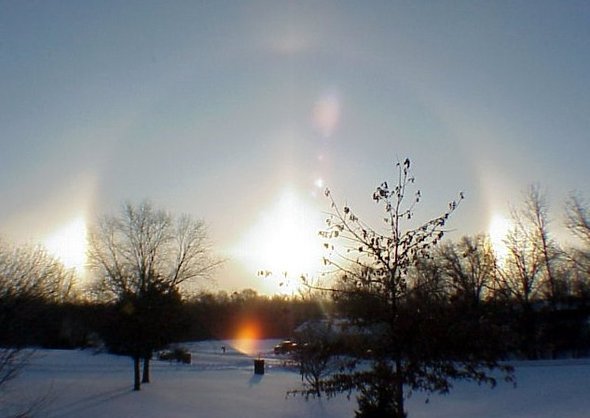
[(221, 385)]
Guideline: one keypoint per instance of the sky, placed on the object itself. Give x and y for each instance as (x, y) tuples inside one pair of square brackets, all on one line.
[(241, 113)]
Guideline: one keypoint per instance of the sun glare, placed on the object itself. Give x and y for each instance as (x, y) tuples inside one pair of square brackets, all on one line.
[(285, 242), (68, 244), (498, 230)]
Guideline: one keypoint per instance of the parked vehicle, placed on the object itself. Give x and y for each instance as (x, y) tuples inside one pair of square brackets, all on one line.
[(285, 347), (180, 355)]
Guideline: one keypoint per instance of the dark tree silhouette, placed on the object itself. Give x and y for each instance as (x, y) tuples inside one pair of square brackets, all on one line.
[(418, 341), (317, 354), (143, 258), (577, 213), (30, 279), (530, 273), (536, 213), (468, 267)]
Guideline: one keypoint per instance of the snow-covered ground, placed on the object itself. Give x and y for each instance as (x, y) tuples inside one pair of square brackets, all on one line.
[(221, 385)]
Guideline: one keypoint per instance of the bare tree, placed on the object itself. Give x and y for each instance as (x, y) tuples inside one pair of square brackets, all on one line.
[(530, 272), (578, 218), (414, 330), (520, 275), (536, 211), (531, 267), (316, 354), (519, 279), (29, 271), (144, 257), (578, 222), (469, 267), (29, 278)]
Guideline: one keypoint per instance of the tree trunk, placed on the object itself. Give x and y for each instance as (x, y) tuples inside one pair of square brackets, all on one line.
[(146, 370), (399, 390), (530, 333), (136, 371)]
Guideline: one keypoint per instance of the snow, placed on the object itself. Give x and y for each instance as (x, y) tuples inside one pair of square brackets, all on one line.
[(216, 384)]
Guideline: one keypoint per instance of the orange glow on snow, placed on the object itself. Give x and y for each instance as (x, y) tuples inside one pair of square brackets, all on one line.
[(246, 337)]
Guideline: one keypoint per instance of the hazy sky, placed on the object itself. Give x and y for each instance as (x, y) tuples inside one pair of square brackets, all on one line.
[(241, 112)]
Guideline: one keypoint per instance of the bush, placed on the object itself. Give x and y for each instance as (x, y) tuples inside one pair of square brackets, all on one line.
[(178, 354)]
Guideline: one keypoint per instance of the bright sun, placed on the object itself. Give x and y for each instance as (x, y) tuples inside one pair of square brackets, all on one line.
[(498, 230), (284, 241), (68, 244)]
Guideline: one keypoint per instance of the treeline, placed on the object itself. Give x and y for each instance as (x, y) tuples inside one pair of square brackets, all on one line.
[(532, 291), (535, 317), (226, 316), (538, 290), (37, 322), (40, 306), (459, 273)]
